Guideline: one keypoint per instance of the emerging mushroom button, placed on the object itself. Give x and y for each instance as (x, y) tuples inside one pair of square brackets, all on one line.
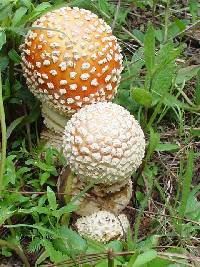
[(72, 59), (104, 143), (103, 226)]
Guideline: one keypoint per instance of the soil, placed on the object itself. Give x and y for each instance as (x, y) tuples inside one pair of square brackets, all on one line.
[(10, 262)]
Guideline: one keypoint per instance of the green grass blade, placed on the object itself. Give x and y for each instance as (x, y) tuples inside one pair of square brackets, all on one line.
[(187, 183), (4, 139)]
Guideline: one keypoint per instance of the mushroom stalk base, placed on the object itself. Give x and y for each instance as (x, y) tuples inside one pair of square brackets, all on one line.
[(96, 198), (52, 139), (53, 119)]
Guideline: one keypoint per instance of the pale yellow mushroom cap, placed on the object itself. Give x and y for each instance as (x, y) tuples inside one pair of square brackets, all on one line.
[(103, 226), (103, 143)]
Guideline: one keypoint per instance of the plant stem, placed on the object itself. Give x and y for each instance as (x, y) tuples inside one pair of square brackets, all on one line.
[(28, 131), (166, 21), (17, 249), (186, 186), (11, 229), (141, 211), (164, 198), (155, 113), (110, 258), (3, 139), (68, 182), (153, 11)]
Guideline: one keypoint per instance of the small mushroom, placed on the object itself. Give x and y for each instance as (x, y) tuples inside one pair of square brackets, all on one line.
[(103, 226), (103, 143), (70, 59)]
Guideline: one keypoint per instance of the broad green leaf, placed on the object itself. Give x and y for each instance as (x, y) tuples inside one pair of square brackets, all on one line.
[(142, 96), (42, 7), (3, 62), (193, 205), (44, 177), (20, 12), (162, 80), (139, 35), (115, 245), (2, 39), (167, 147), (26, 3), (167, 53), (132, 73), (130, 243), (159, 35), (13, 125), (172, 101), (64, 210), (197, 91), (164, 70), (138, 55), (14, 56), (94, 246), (150, 242), (42, 165), (176, 27), (149, 49), (194, 7), (132, 259), (10, 174), (104, 6), (5, 11), (181, 24), (71, 241), (51, 198), (185, 74), (157, 262), (195, 132), (145, 257)]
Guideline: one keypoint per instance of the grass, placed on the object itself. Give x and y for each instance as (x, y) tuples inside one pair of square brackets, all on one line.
[(160, 87), (3, 138)]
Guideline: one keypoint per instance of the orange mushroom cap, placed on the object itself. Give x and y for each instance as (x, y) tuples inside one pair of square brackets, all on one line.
[(71, 59)]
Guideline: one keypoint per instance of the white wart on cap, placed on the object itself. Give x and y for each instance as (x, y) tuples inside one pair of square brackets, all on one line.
[(72, 59), (103, 226), (103, 143)]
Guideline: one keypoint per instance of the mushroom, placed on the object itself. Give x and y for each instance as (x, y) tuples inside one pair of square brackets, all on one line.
[(103, 143), (70, 59), (103, 226), (91, 202), (113, 198)]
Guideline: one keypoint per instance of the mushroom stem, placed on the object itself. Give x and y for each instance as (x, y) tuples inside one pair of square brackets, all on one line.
[(50, 138), (96, 197), (53, 119)]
